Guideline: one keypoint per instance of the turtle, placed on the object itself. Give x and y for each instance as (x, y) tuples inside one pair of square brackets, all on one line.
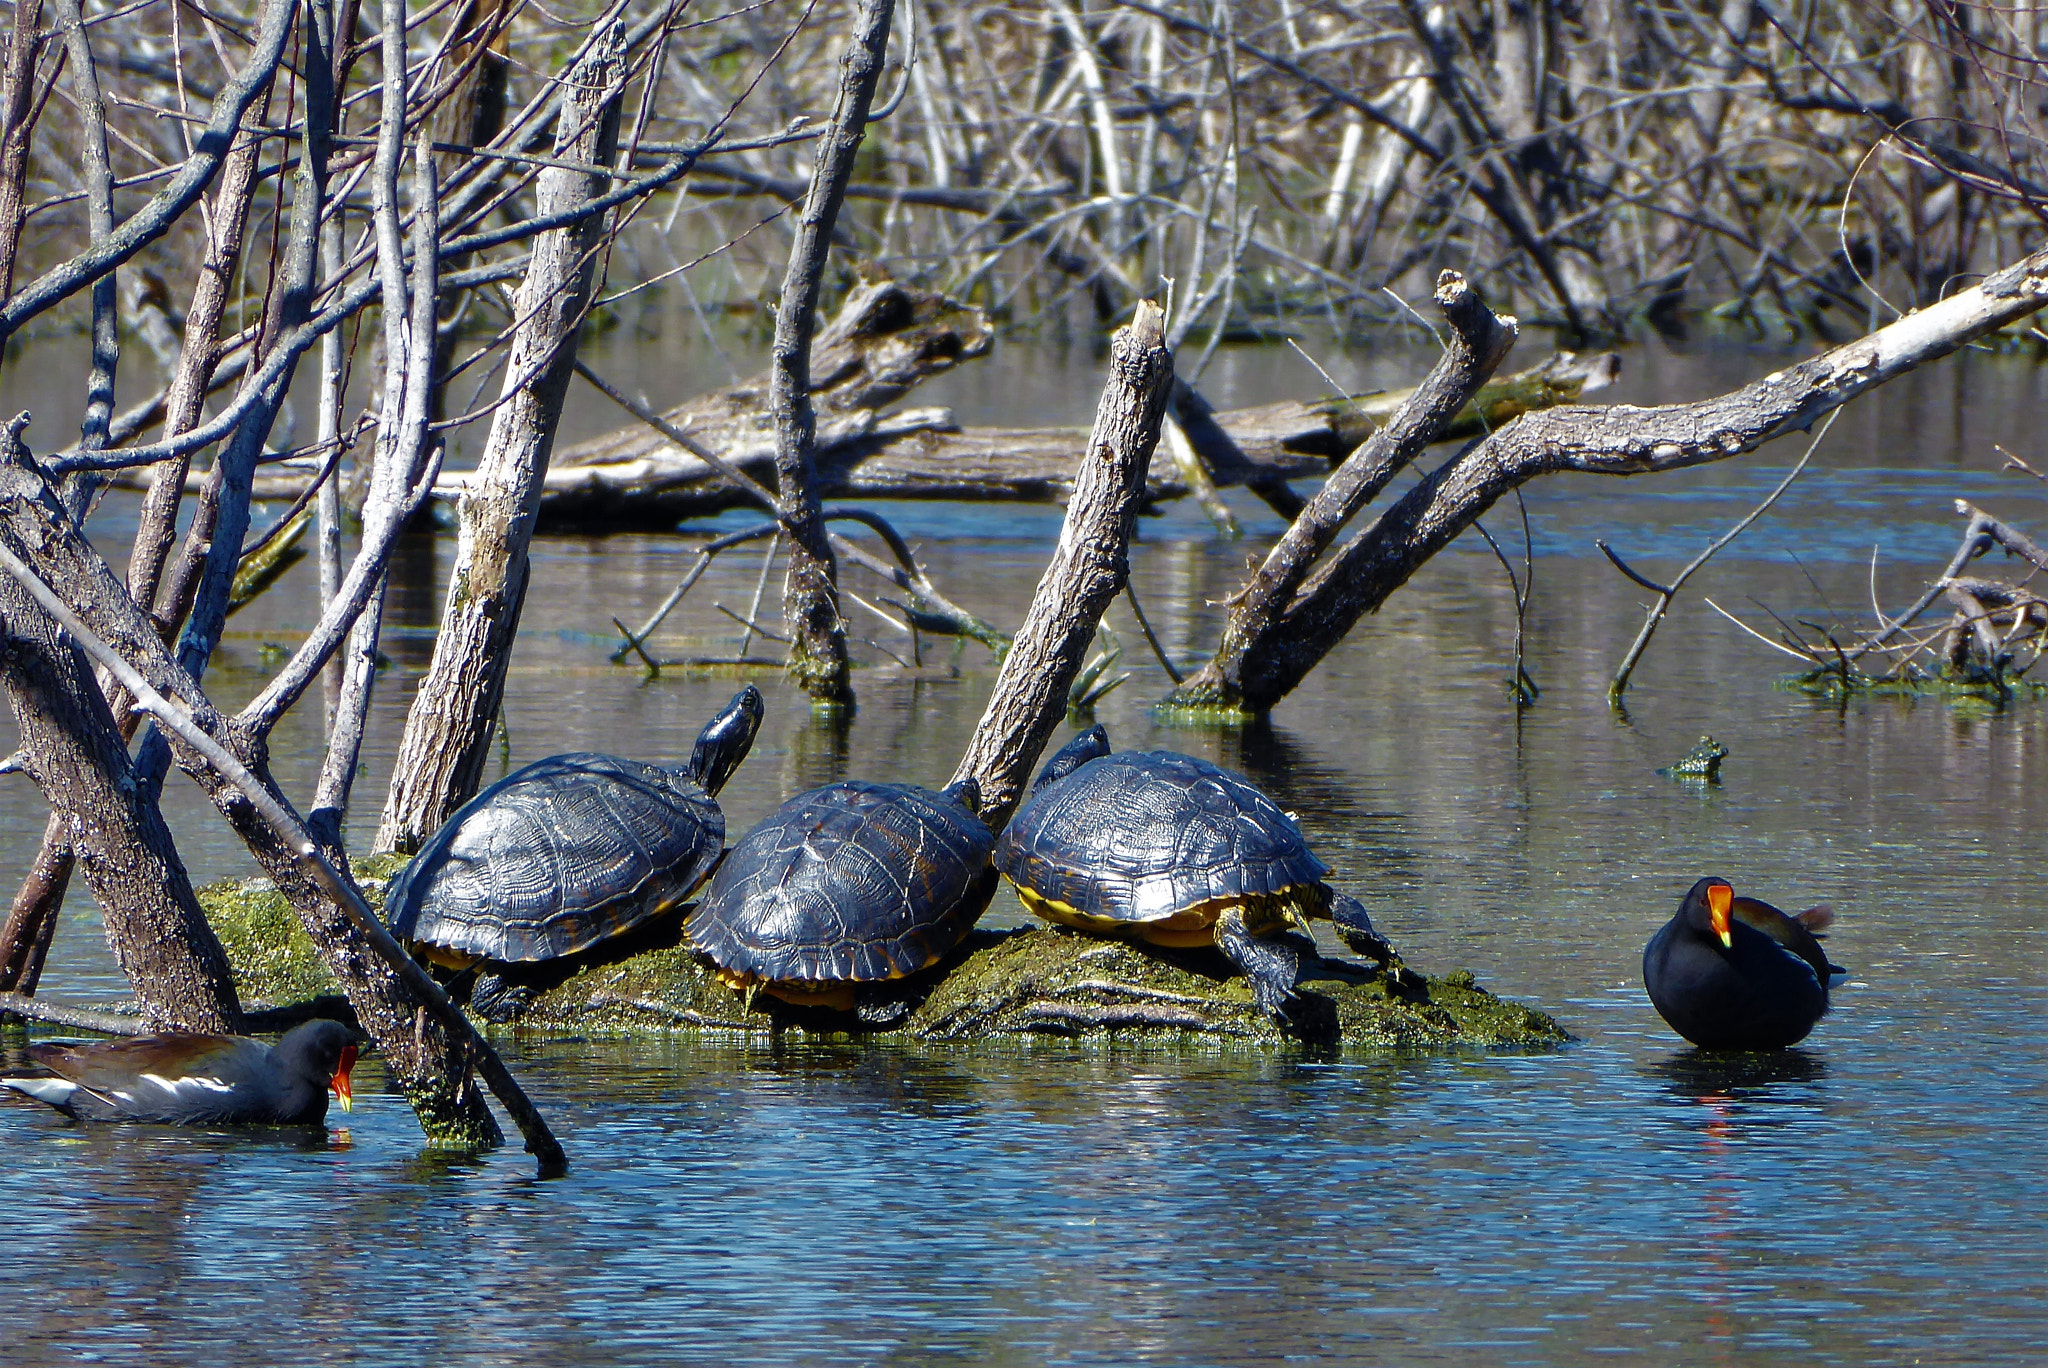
[(846, 887), (564, 854), (1173, 851)]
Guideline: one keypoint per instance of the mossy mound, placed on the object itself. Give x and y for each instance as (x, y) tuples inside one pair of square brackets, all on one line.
[(999, 983), (273, 958), (1051, 982)]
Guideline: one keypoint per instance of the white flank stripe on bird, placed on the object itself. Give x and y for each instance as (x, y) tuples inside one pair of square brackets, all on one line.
[(55, 1091), (191, 1081)]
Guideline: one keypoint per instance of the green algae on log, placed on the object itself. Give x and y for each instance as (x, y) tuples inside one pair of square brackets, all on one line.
[(272, 956), (1039, 981)]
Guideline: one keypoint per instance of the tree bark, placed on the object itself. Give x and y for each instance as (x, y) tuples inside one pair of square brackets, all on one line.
[(1479, 340), (70, 746), (448, 730), (1618, 440), (810, 592), (1088, 568), (32, 920), (15, 128)]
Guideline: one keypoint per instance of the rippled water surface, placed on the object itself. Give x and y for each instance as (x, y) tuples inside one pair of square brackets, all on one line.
[(1876, 1196)]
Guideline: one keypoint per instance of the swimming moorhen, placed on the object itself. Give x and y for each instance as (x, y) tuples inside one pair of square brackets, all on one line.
[(1733, 973), (199, 1080)]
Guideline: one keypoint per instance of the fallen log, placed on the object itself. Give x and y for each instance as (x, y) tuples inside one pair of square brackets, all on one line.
[(635, 479), (884, 341)]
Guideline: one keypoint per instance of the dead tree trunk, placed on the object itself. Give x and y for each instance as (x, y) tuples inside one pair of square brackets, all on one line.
[(32, 920), (69, 745), (1480, 339), (810, 592), (1087, 569), (448, 730), (1621, 440)]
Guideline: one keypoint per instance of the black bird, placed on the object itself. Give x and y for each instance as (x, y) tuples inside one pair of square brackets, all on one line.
[(198, 1080), (1733, 973)]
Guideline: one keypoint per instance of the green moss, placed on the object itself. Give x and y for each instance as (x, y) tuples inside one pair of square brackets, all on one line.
[(1832, 682), (1175, 711), (273, 958)]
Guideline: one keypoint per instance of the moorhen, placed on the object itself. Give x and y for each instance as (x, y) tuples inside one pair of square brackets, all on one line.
[(199, 1080), (1733, 973)]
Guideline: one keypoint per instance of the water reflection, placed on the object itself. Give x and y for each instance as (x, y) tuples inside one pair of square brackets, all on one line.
[(1716, 1075)]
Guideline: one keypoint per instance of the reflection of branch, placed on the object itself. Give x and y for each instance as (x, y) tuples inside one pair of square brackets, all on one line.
[(1665, 595)]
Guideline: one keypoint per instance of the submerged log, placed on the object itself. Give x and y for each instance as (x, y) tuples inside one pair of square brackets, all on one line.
[(998, 984)]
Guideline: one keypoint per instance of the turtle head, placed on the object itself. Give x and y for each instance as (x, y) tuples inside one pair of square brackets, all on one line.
[(726, 739), (1092, 744), (966, 792)]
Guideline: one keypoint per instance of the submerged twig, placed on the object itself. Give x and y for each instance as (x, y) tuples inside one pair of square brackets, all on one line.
[(1665, 594)]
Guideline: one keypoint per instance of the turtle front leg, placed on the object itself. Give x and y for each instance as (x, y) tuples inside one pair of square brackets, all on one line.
[(501, 999), (1355, 929), (1271, 963)]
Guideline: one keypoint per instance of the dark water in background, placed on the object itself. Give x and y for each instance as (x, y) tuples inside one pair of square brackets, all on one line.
[(1875, 1197)]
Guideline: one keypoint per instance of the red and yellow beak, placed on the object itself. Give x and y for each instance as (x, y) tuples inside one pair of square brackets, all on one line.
[(1720, 900), (343, 1093)]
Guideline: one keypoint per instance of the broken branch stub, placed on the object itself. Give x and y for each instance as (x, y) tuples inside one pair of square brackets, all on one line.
[(810, 592), (1088, 567), (1479, 340)]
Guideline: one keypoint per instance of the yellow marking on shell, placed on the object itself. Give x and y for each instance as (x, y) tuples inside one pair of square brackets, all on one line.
[(444, 957), (828, 993), (1192, 927)]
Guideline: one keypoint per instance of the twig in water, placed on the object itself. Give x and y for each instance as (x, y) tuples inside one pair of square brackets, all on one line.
[(637, 645), (1774, 645), (760, 588), (1146, 627), (1524, 687), (898, 623), (887, 652), (1665, 595), (751, 626), (2013, 462)]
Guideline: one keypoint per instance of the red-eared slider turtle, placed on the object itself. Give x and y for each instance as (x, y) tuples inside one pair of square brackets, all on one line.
[(568, 852), (1168, 849), (847, 885)]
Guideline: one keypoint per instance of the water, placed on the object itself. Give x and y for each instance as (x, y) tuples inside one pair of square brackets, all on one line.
[(1874, 1197)]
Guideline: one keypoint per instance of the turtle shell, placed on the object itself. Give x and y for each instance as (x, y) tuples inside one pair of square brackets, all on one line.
[(1144, 836), (850, 883), (567, 852)]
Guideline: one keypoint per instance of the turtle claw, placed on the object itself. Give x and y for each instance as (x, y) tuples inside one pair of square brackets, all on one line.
[(1356, 930)]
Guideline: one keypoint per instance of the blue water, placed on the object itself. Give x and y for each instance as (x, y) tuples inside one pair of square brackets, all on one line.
[(1874, 1197)]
